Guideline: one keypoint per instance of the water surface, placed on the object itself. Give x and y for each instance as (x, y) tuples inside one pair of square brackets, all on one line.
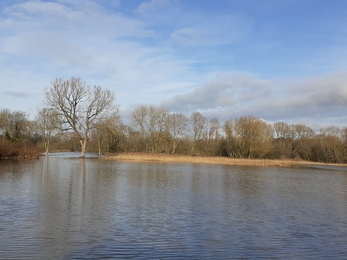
[(63, 207)]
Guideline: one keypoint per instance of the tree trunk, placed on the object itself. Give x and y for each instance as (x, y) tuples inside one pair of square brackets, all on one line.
[(173, 148), (47, 146), (83, 147), (99, 145)]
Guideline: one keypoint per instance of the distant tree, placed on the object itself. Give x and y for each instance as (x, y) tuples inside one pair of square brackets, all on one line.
[(176, 125), (149, 121), (16, 126), (301, 131), (211, 143), (282, 130), (198, 123), (344, 143), (282, 143), (109, 133), (331, 145), (198, 126), (79, 105), (49, 122), (4, 120), (17, 133), (248, 137), (213, 132), (232, 142), (332, 131)]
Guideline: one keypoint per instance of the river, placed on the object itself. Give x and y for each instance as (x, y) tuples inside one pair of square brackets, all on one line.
[(63, 207)]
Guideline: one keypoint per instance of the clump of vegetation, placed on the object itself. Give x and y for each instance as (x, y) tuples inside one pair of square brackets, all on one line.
[(7, 149), (12, 150)]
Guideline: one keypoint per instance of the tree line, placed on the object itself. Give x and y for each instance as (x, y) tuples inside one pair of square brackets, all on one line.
[(76, 114)]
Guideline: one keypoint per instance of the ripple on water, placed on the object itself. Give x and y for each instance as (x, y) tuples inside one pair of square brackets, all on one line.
[(57, 208)]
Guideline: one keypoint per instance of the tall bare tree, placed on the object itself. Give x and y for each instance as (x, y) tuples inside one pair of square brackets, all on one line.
[(79, 104)]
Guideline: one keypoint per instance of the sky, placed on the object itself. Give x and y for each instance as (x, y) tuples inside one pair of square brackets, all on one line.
[(279, 60)]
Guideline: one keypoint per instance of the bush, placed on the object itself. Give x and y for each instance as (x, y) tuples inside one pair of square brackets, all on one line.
[(8, 149)]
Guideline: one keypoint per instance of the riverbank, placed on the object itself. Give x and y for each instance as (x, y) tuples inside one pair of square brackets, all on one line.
[(150, 157)]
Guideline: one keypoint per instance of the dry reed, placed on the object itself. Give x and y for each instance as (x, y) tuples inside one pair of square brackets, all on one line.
[(150, 157)]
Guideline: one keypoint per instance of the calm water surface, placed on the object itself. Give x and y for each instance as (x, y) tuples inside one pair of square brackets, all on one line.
[(63, 207)]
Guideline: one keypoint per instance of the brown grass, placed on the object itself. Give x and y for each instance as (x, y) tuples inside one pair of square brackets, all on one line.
[(149, 157)]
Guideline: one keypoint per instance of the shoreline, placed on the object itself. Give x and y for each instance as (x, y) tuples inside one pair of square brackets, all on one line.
[(150, 157)]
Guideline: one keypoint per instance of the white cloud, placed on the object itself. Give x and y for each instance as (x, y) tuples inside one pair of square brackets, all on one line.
[(321, 98), (54, 33), (219, 30), (84, 18), (36, 7), (221, 93), (42, 46), (17, 94), (193, 28), (86, 40), (152, 6)]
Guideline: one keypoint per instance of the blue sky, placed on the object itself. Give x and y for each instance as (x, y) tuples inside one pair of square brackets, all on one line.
[(280, 60)]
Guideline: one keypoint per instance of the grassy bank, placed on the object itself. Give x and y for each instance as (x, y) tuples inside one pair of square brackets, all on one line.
[(143, 157)]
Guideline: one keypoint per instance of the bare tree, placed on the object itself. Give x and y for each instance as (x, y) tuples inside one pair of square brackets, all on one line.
[(109, 133), (79, 104), (331, 144), (301, 131), (150, 122), (282, 143), (139, 118), (332, 131), (214, 126), (248, 137), (49, 121), (231, 141), (198, 123), (176, 125), (282, 130)]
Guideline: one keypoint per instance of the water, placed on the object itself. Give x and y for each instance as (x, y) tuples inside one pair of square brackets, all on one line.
[(63, 207)]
